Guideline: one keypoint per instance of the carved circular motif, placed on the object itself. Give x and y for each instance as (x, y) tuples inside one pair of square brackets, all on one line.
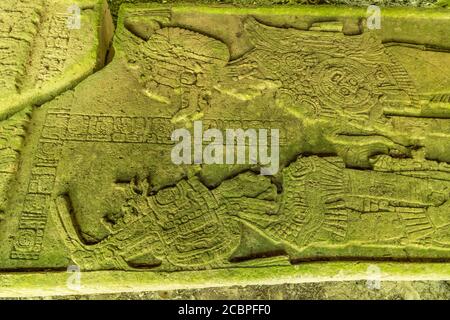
[(26, 238), (344, 83)]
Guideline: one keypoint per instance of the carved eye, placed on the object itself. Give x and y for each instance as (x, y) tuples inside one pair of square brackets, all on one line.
[(188, 78)]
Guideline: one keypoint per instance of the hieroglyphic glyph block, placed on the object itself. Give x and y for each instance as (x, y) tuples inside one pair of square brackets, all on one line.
[(42, 55)]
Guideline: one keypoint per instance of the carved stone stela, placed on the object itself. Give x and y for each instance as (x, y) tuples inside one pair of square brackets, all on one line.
[(86, 178)]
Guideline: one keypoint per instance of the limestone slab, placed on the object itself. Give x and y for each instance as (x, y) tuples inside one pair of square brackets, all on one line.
[(364, 124)]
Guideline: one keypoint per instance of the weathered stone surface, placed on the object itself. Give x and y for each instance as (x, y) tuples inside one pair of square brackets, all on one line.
[(364, 122), (44, 52), (42, 55)]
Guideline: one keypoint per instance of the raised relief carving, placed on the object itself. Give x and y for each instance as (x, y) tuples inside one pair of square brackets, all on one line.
[(364, 170)]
